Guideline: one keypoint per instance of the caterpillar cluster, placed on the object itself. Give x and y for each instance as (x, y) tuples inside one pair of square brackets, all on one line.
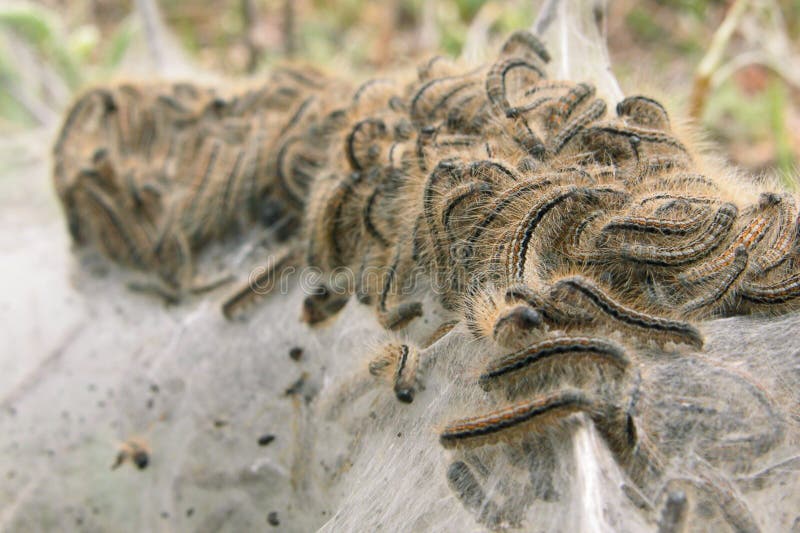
[(542, 221), (149, 174)]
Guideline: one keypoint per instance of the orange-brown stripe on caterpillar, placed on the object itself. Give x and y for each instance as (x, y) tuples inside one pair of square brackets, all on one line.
[(637, 321), (775, 293), (682, 253), (726, 278), (488, 428), (747, 239), (549, 352), (785, 234)]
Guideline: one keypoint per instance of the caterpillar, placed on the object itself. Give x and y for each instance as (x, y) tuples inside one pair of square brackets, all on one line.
[(528, 212)]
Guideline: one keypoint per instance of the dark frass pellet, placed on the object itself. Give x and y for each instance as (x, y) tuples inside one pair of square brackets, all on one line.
[(265, 439), (141, 459), (272, 519)]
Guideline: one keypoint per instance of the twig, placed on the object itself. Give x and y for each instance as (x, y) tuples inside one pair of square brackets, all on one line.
[(289, 37), (710, 62), (249, 18)]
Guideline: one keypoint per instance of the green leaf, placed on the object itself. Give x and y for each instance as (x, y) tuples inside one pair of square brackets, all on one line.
[(30, 22)]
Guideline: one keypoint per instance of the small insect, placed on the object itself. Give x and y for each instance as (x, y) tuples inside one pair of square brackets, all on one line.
[(134, 450)]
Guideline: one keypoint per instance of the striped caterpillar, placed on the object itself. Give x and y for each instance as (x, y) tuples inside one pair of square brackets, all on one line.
[(573, 239)]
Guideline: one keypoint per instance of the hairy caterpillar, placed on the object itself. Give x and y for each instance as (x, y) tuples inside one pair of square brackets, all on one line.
[(534, 218)]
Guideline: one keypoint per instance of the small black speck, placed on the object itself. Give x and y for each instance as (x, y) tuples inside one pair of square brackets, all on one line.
[(272, 519), (219, 423), (141, 459), (265, 439), (154, 388), (400, 434), (190, 511), (296, 353)]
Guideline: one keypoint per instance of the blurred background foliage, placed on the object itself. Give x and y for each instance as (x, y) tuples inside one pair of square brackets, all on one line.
[(750, 105)]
